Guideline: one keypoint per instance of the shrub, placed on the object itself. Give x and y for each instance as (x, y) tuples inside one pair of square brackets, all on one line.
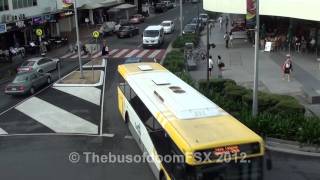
[(174, 61), (182, 40), (310, 131), (186, 78)]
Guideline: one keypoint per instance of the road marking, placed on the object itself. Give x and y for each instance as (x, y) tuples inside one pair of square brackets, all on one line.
[(97, 54), (122, 52), (90, 94), (140, 45), (113, 51), (154, 54), (75, 56), (67, 55), (128, 137), (108, 135), (85, 56), (132, 53), (55, 118), (3, 131), (144, 52)]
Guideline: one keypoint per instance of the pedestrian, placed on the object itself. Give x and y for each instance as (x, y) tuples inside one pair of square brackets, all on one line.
[(43, 49), (220, 66), (220, 19), (227, 23), (210, 65), (226, 38), (303, 44), (231, 39), (287, 68), (105, 50)]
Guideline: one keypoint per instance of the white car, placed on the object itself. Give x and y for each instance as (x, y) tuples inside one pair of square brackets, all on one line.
[(168, 26)]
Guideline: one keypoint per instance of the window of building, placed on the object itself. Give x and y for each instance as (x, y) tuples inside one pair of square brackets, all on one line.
[(24, 3), (4, 5)]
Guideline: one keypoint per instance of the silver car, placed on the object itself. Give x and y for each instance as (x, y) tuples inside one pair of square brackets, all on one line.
[(39, 64)]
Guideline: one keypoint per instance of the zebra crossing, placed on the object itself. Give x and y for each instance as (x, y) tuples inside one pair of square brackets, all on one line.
[(67, 110), (121, 53)]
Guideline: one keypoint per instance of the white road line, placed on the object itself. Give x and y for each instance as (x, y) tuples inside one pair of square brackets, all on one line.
[(3, 131), (154, 54), (128, 137), (140, 45), (97, 54), (55, 118), (113, 51), (67, 55), (74, 56), (132, 53), (85, 56), (144, 52), (108, 135), (90, 94), (122, 52)]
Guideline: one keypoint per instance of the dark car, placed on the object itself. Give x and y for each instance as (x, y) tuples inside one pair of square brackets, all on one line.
[(199, 22), (27, 83), (160, 7), (190, 29), (127, 31), (132, 60)]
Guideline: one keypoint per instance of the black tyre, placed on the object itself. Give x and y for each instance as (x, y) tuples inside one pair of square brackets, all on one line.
[(49, 80), (32, 90)]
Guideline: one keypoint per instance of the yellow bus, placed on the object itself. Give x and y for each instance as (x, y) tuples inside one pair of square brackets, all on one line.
[(169, 118)]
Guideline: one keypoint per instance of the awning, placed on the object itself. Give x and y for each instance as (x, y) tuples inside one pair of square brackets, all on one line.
[(125, 6), (300, 9), (106, 3)]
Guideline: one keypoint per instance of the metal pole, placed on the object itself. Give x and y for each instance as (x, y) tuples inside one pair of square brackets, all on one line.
[(77, 32), (181, 18), (256, 63), (208, 51)]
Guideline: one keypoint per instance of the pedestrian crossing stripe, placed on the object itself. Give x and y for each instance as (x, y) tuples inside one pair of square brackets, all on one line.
[(122, 53), (55, 118), (3, 131)]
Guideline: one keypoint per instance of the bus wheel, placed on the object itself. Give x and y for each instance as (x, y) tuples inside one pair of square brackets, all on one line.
[(126, 119)]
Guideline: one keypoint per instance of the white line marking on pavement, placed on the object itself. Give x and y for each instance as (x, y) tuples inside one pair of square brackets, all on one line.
[(108, 135), (97, 54), (90, 94), (113, 51), (3, 131), (85, 56), (132, 53), (55, 118), (154, 54), (122, 52), (144, 52), (67, 55), (128, 137), (74, 56), (140, 45)]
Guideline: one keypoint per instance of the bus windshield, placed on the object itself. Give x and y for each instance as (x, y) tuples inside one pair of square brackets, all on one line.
[(248, 169)]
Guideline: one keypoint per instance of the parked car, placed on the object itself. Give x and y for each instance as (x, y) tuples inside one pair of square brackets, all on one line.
[(204, 17), (168, 26), (136, 19), (127, 31), (107, 28), (190, 29), (27, 83), (124, 22), (199, 22), (39, 64), (168, 4), (132, 60), (160, 8)]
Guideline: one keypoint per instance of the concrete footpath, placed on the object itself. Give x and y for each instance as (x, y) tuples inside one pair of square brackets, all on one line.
[(239, 66)]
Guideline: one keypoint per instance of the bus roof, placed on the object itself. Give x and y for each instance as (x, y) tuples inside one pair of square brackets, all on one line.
[(192, 120)]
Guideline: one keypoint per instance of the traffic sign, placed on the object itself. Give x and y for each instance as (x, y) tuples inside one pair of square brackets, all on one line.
[(39, 32), (96, 34)]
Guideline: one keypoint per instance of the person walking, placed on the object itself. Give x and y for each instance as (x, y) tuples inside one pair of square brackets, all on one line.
[(226, 38), (220, 66), (287, 68), (105, 50), (210, 65), (231, 39), (220, 19)]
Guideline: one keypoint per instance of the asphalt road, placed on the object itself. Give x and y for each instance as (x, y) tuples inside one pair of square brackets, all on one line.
[(47, 157)]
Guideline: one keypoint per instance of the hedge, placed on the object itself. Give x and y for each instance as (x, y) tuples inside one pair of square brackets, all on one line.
[(174, 61), (180, 41), (280, 116)]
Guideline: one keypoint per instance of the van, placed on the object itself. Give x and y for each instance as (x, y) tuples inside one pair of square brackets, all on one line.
[(153, 36)]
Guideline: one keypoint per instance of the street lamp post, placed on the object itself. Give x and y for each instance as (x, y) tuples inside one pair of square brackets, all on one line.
[(210, 24), (77, 33), (181, 18), (256, 63)]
